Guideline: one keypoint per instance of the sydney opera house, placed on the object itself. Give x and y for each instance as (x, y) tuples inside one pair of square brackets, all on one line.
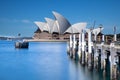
[(58, 28)]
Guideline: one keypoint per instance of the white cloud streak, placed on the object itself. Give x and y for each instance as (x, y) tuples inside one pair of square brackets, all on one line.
[(25, 21), (14, 20)]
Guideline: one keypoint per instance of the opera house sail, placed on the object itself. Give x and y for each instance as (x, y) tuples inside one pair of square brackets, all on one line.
[(62, 22), (50, 23)]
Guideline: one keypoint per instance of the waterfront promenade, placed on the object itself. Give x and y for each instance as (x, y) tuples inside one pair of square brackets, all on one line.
[(44, 40)]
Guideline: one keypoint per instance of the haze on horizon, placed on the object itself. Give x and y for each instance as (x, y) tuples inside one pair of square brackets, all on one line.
[(17, 16)]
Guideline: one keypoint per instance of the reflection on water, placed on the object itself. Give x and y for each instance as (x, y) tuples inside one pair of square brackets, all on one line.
[(79, 72), (41, 61)]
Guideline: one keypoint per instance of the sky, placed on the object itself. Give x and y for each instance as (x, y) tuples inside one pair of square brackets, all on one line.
[(18, 16)]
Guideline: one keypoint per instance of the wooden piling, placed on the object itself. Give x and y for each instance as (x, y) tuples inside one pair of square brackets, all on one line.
[(80, 48), (83, 49)]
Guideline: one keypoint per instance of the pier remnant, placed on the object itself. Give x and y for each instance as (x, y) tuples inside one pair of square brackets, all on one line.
[(101, 56), (21, 44)]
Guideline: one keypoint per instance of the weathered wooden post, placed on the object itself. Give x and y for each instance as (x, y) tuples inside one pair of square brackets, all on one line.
[(106, 69), (90, 61), (83, 48), (100, 53), (99, 59), (71, 45), (68, 47), (86, 54), (74, 46), (118, 64), (113, 65), (95, 50), (104, 58), (80, 48)]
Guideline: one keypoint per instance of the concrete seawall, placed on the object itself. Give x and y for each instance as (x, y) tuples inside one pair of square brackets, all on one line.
[(44, 40)]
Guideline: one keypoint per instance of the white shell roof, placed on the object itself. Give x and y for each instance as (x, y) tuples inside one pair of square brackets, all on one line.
[(80, 26), (50, 24), (71, 30), (62, 22), (40, 25), (55, 27), (46, 27), (76, 28)]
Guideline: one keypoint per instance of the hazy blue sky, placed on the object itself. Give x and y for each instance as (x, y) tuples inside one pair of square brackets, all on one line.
[(17, 16)]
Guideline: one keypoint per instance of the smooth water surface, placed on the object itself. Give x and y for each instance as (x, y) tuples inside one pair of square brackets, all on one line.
[(41, 61)]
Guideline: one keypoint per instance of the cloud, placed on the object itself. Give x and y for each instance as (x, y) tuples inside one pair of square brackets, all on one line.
[(26, 21), (14, 20)]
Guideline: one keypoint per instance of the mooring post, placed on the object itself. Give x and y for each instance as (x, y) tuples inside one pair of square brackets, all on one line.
[(68, 47), (90, 64), (83, 48), (118, 64), (80, 48), (102, 56), (113, 65), (86, 54), (74, 46), (95, 51), (99, 59), (71, 45), (106, 71)]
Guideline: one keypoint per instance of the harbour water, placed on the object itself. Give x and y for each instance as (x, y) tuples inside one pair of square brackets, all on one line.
[(41, 61)]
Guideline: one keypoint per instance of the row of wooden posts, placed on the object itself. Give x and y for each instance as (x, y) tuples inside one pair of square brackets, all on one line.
[(96, 56)]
